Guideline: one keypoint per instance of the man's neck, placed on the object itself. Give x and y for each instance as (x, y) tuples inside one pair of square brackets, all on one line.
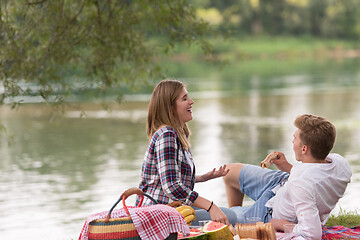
[(314, 160)]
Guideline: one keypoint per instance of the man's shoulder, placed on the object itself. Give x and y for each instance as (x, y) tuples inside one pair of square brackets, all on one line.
[(340, 163), (313, 174), (338, 160), (335, 156)]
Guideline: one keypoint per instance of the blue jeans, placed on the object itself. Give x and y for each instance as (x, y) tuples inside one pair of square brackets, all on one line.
[(257, 183), (202, 214)]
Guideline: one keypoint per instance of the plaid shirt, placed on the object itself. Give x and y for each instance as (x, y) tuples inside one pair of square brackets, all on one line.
[(166, 173)]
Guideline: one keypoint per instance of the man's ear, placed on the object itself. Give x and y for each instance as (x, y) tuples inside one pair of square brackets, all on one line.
[(304, 149)]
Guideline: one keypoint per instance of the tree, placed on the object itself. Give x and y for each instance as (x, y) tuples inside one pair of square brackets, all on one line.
[(49, 48)]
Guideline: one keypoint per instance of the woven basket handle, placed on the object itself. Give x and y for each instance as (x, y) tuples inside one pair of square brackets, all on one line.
[(127, 194), (130, 192)]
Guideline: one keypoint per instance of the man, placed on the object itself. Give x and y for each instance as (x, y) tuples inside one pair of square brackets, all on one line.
[(303, 194)]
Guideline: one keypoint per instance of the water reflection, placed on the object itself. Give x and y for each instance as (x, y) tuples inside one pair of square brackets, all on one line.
[(208, 149), (55, 173)]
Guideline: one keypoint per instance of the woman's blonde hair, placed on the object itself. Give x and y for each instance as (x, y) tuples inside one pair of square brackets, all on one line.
[(162, 110)]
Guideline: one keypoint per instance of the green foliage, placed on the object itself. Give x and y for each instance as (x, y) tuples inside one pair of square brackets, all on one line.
[(49, 48), (344, 218), (57, 49), (321, 18)]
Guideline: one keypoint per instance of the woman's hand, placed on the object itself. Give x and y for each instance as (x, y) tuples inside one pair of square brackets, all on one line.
[(217, 215), (222, 171), (215, 212)]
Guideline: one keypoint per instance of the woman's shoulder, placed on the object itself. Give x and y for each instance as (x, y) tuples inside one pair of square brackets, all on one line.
[(164, 136), (165, 131)]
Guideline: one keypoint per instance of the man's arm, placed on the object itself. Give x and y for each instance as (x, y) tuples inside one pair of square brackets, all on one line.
[(307, 213), (278, 224), (282, 163)]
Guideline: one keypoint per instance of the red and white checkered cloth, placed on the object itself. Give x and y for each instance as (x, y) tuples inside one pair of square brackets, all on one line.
[(154, 222)]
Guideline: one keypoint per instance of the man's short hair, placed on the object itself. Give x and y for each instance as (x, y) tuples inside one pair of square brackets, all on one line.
[(317, 133)]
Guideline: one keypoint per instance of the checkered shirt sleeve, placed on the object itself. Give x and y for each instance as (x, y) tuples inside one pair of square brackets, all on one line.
[(166, 174)]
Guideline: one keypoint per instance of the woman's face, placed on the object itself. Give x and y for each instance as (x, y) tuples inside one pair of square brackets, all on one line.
[(183, 107)]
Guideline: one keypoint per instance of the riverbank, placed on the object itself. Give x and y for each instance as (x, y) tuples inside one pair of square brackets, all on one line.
[(266, 47)]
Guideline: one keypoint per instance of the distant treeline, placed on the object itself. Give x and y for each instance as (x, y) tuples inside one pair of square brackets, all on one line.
[(319, 18)]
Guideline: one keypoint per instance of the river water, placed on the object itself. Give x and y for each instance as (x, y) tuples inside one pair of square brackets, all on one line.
[(56, 172)]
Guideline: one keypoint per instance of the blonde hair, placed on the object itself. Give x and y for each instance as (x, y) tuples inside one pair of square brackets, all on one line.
[(162, 110), (317, 133)]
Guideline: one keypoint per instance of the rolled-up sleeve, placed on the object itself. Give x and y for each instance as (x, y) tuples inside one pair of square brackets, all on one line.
[(309, 225)]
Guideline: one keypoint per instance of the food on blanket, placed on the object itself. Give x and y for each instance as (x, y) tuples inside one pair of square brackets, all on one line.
[(265, 231), (189, 218), (232, 229), (184, 207), (270, 231), (217, 230), (194, 234), (187, 212), (257, 230), (266, 163), (249, 230)]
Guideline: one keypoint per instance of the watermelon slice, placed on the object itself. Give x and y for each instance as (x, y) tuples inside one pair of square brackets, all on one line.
[(218, 231), (195, 233)]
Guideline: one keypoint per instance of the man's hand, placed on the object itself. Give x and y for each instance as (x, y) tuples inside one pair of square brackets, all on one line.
[(281, 163), (222, 171), (278, 224)]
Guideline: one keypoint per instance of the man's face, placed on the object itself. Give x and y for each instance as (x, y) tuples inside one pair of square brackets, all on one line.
[(297, 145)]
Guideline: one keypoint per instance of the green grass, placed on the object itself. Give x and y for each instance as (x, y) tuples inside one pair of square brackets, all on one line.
[(273, 45), (266, 47), (344, 218)]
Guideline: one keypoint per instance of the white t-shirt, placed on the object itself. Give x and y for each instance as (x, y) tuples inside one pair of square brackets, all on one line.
[(309, 195)]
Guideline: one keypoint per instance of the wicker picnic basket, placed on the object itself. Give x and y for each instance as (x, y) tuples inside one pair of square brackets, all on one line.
[(259, 230), (121, 228)]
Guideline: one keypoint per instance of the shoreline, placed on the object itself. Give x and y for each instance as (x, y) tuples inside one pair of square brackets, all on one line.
[(263, 48)]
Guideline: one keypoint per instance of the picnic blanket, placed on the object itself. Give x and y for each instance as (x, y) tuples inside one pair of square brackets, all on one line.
[(331, 233), (340, 232)]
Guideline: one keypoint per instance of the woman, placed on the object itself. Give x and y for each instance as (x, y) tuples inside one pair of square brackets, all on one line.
[(168, 171)]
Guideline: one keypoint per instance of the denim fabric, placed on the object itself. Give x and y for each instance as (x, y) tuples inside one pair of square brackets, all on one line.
[(202, 214), (257, 183)]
